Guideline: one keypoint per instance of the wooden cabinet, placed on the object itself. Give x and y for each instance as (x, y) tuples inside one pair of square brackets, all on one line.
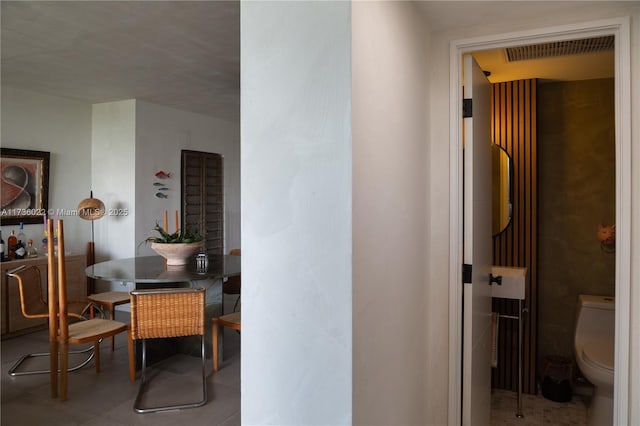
[(13, 323)]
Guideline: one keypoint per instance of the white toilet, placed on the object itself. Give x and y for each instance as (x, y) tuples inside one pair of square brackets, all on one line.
[(594, 346)]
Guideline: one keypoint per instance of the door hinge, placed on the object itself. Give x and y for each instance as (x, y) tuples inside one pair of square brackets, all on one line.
[(466, 273), (467, 108)]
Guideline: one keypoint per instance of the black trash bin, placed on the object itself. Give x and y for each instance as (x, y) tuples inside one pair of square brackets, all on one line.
[(556, 378)]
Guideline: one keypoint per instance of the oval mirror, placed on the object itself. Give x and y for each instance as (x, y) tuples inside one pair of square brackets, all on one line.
[(501, 189)]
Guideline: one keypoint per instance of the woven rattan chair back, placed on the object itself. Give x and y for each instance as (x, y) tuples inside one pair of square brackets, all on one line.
[(164, 313)]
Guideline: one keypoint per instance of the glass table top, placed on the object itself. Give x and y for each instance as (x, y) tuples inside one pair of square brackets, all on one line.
[(152, 269)]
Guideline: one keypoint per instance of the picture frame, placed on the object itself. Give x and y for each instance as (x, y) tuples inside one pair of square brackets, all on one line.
[(24, 186)]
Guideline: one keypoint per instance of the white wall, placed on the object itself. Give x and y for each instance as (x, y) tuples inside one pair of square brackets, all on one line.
[(132, 140), (161, 133), (439, 215), (296, 213), (390, 93), (114, 149), (62, 127), (113, 159), (436, 361)]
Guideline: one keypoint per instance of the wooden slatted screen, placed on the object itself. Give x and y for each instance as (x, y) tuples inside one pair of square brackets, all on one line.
[(514, 129), (203, 197)]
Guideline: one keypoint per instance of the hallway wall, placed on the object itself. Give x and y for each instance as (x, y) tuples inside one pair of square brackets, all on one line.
[(62, 127), (390, 350)]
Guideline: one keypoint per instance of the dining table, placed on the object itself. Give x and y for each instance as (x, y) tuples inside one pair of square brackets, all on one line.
[(145, 272)]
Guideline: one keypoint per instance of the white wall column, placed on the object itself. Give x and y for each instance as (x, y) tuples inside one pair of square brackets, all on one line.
[(113, 145), (296, 213)]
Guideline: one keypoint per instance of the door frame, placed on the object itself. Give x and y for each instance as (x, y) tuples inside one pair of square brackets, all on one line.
[(620, 28)]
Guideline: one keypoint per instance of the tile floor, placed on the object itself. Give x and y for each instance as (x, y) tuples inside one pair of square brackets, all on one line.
[(537, 410), (107, 398)]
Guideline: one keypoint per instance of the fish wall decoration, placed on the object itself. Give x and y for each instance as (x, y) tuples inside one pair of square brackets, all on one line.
[(160, 187)]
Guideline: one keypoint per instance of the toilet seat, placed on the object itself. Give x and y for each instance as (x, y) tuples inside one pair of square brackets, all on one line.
[(599, 354)]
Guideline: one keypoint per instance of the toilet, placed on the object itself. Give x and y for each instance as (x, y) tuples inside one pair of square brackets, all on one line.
[(594, 346)]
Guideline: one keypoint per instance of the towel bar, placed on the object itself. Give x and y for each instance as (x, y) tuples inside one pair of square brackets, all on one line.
[(521, 311)]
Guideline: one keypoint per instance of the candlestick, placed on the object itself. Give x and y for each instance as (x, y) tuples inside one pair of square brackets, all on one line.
[(176, 221), (166, 222)]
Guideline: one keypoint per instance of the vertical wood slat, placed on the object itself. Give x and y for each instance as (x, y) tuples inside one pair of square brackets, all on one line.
[(514, 129), (202, 197)]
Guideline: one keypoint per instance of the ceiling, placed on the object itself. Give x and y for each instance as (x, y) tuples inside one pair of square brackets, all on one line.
[(584, 66), (186, 54), (459, 15), (180, 54)]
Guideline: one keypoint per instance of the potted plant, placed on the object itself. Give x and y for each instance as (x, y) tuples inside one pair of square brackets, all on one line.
[(176, 248)]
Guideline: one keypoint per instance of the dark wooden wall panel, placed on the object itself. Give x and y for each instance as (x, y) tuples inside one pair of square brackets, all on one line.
[(202, 197), (514, 129)]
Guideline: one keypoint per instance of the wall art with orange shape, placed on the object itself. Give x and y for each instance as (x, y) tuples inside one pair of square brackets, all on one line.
[(24, 186)]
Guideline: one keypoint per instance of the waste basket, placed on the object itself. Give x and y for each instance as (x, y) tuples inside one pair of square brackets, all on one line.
[(556, 378)]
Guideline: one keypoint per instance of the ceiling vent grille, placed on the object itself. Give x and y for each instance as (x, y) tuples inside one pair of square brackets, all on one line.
[(560, 48)]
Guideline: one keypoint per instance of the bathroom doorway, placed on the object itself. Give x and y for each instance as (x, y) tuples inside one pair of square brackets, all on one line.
[(619, 29)]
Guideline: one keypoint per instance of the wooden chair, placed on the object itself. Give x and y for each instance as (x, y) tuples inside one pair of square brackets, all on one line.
[(33, 306), (232, 321), (61, 332), (232, 285), (164, 313), (108, 301)]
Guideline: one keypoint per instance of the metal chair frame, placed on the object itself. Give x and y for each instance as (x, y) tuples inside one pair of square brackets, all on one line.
[(15, 273), (133, 335)]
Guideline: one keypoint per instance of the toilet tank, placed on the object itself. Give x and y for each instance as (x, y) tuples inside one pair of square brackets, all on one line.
[(596, 318)]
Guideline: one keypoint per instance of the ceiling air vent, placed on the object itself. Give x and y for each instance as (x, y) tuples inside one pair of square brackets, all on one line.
[(559, 48)]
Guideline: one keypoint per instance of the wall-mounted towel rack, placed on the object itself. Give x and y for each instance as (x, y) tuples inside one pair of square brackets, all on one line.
[(512, 286)]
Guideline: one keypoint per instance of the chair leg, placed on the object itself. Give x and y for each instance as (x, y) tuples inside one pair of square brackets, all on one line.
[(53, 367), (112, 316), (64, 362), (215, 330), (96, 350), (204, 376), (132, 360), (143, 382)]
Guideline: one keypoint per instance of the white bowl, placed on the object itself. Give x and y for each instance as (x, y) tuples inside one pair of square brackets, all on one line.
[(177, 253)]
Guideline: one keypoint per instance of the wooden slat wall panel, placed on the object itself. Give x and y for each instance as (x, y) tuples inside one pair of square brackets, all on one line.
[(514, 129), (203, 197)]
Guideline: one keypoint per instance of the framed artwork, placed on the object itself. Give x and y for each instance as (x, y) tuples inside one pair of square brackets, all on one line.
[(24, 186)]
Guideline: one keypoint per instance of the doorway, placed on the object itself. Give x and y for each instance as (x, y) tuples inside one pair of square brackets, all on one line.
[(619, 28)]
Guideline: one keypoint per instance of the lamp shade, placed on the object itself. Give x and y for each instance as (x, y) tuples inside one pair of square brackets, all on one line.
[(91, 209)]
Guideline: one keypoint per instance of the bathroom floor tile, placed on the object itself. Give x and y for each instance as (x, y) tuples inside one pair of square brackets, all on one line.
[(537, 410)]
